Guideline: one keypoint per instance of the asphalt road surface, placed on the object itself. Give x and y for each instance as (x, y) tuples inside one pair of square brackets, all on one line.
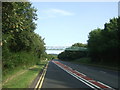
[(56, 77)]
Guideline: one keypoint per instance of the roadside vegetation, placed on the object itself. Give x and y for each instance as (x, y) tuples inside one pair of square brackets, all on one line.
[(87, 61), (23, 51), (71, 54), (102, 47), (24, 77), (22, 48)]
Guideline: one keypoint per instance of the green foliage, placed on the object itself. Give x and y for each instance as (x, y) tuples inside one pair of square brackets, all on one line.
[(72, 55), (103, 44), (18, 59), (51, 56), (84, 60), (17, 17), (74, 52), (80, 45), (24, 77), (21, 45)]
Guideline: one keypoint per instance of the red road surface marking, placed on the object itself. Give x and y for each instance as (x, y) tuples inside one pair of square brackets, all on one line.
[(80, 75)]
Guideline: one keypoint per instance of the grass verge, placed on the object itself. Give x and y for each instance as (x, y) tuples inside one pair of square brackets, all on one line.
[(24, 77), (87, 61)]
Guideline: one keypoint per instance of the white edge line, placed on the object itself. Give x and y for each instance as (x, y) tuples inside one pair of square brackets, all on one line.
[(76, 77), (105, 85), (84, 79), (81, 79), (80, 73)]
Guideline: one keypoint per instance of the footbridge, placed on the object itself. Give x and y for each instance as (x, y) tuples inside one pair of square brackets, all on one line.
[(68, 48)]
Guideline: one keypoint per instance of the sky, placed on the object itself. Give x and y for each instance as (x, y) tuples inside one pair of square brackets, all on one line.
[(66, 23)]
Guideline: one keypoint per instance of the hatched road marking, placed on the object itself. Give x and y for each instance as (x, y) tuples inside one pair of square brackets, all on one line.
[(82, 77)]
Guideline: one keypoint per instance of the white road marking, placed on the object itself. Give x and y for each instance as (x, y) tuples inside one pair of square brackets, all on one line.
[(105, 85), (87, 82), (77, 77), (80, 73)]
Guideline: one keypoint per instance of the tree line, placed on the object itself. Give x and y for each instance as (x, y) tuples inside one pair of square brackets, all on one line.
[(22, 47), (103, 44), (71, 53)]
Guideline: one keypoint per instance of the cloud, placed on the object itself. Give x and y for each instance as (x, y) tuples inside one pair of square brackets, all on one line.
[(52, 13), (62, 12)]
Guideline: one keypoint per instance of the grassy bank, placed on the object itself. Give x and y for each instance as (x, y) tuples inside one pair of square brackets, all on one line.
[(87, 61), (15, 60), (22, 78)]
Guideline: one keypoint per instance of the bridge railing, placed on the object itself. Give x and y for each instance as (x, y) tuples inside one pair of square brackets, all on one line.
[(67, 48), (56, 47), (76, 49)]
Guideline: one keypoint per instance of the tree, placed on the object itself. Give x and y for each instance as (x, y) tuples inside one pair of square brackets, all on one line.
[(94, 44), (21, 45), (74, 52), (103, 44), (80, 45), (18, 24)]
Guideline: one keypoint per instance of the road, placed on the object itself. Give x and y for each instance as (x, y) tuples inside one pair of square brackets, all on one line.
[(61, 74)]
